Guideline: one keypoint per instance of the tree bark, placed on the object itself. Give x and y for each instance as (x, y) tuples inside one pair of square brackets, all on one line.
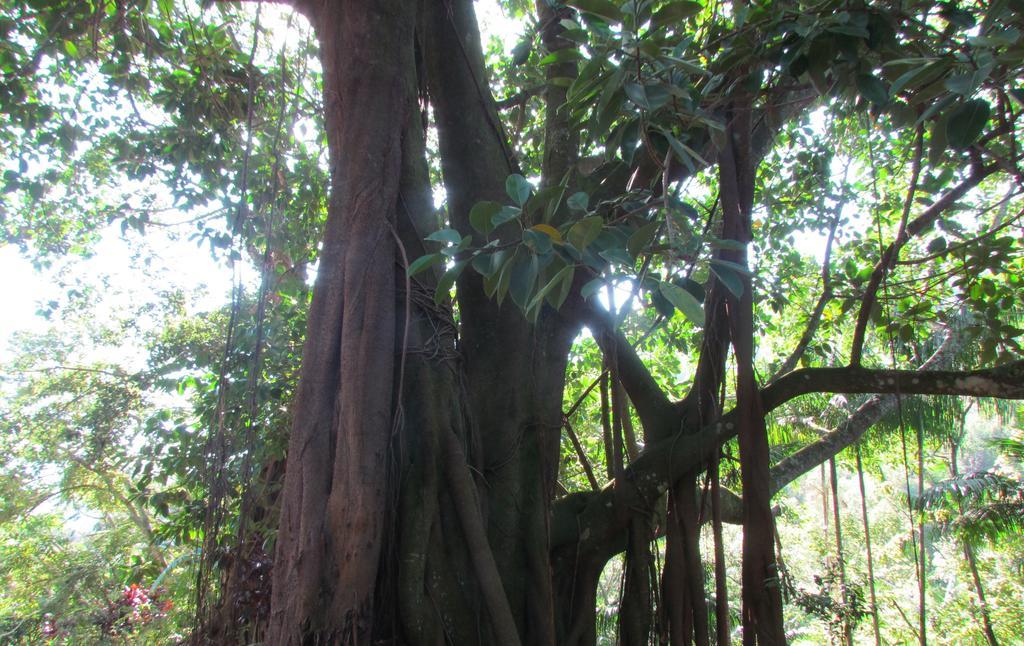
[(332, 527)]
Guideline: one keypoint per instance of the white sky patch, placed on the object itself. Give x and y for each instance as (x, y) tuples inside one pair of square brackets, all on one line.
[(495, 24)]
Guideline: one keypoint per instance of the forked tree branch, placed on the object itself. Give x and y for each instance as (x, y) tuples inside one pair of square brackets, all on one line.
[(599, 524)]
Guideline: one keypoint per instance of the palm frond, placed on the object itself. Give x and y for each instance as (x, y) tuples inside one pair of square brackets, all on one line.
[(1011, 447), (974, 488), (991, 521)]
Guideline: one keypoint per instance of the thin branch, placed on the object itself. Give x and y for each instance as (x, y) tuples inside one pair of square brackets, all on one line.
[(915, 227), (814, 320), (581, 455)]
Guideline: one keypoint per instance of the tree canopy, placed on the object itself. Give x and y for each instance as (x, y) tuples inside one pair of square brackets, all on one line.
[(516, 315)]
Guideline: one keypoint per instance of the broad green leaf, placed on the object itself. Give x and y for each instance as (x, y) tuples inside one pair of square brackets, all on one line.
[(636, 94), (565, 272), (445, 235), (967, 122), (675, 12), (962, 84), (683, 301), (938, 141), (591, 288), (522, 278), (561, 56), (518, 188), (729, 278), (611, 86), (602, 8), (906, 79), (617, 256), (728, 264), (546, 199), (538, 241), (578, 201), (641, 238), (551, 231), (872, 88), (483, 263), (556, 297), (585, 231), (421, 263), (481, 214), (444, 285), (506, 214), (680, 151)]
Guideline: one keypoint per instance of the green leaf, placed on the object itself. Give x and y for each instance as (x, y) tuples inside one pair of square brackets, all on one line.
[(506, 214), (556, 281), (602, 8), (556, 297), (445, 235), (938, 142), (683, 301), (675, 12), (538, 241), (962, 84), (637, 95), (585, 231), (649, 97), (481, 214), (679, 150), (546, 199), (421, 263), (641, 238), (967, 122), (873, 89), (561, 56), (578, 201), (591, 288), (71, 48), (732, 266), (617, 256), (729, 278), (483, 263), (522, 278), (518, 188), (444, 285)]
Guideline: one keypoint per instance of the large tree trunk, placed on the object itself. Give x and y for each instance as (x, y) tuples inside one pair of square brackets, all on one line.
[(333, 518), (420, 468)]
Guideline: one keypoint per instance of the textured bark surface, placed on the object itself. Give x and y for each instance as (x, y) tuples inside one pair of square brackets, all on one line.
[(331, 530)]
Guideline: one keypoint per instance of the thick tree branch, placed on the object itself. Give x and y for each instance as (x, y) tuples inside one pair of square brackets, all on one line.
[(656, 412), (851, 430), (599, 523)]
